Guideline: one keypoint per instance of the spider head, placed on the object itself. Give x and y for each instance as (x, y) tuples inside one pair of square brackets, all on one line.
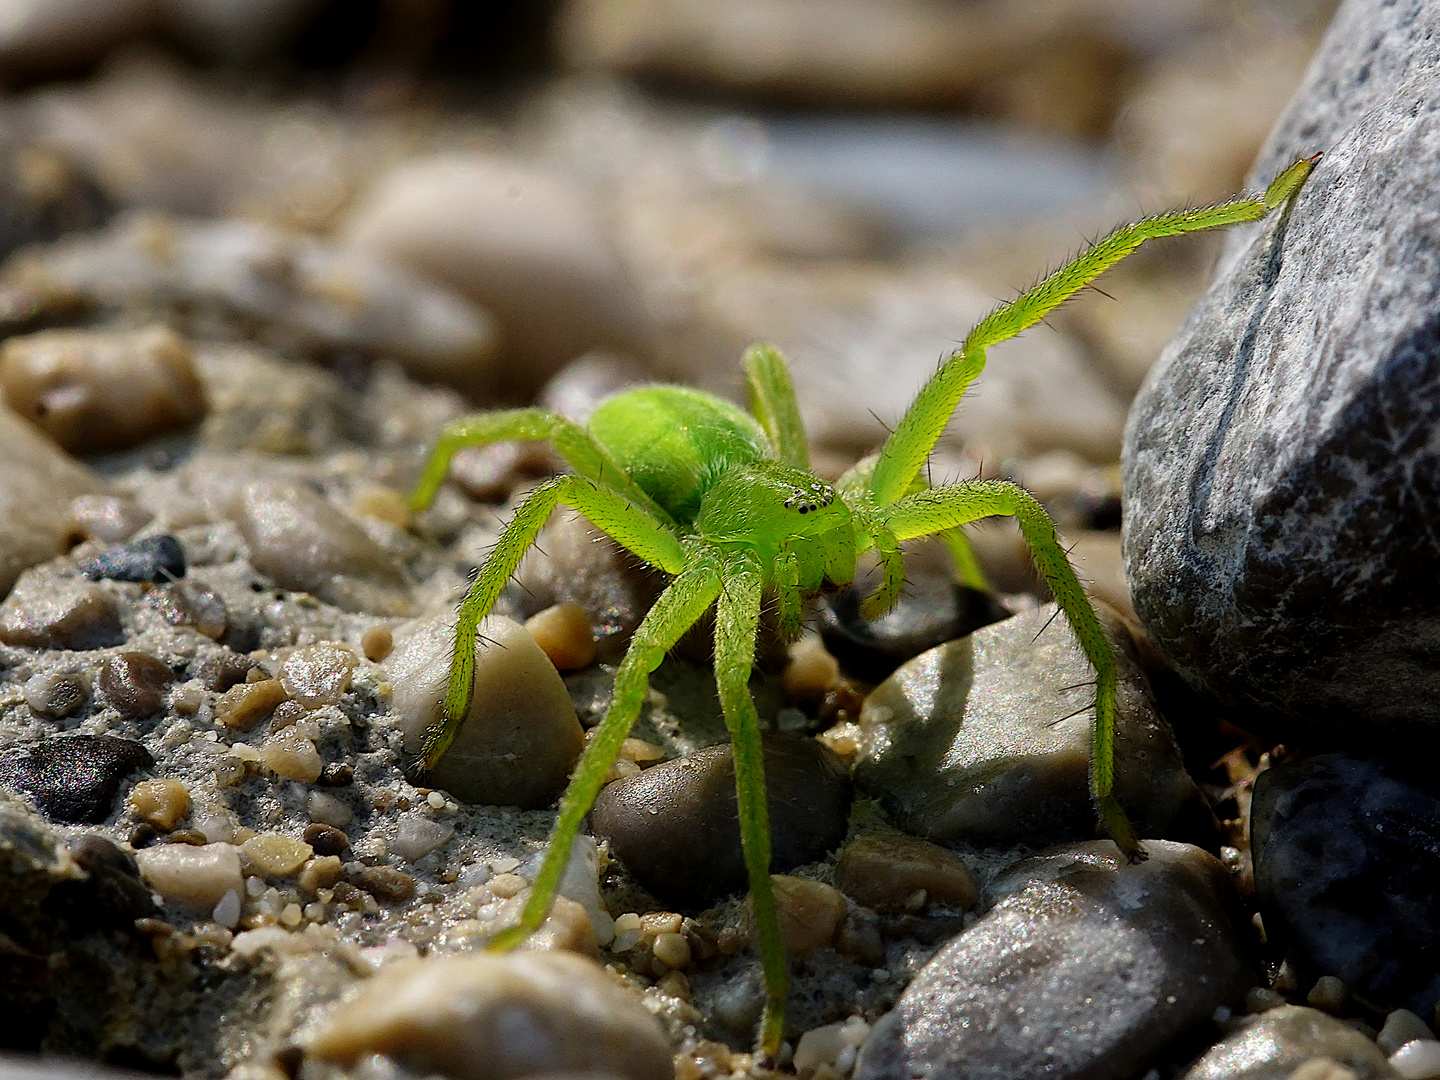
[(773, 507)]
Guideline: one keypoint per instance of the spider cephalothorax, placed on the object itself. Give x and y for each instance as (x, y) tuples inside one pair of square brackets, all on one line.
[(725, 503)]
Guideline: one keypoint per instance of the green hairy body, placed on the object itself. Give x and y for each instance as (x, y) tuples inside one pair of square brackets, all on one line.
[(725, 503)]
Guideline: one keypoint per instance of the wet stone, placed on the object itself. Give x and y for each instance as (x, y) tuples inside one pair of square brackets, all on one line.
[(154, 559), (220, 671), (48, 612), (676, 829), (57, 694), (1345, 865), (1274, 1044), (1090, 968), (318, 675), (133, 683), (498, 1018), (75, 778), (384, 882), (931, 611), (885, 870), (987, 739), (416, 837), (326, 839)]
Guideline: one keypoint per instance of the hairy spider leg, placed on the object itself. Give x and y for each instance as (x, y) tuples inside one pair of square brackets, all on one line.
[(636, 528), (773, 404), (926, 512), (572, 442), (678, 608), (737, 616)]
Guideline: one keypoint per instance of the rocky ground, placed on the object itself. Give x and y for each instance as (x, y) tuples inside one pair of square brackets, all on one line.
[(238, 312)]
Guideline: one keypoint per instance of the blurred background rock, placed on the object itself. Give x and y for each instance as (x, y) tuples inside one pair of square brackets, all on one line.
[(661, 181)]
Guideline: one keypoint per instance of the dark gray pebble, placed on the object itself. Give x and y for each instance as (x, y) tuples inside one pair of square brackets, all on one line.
[(932, 611), (155, 559), (115, 892), (133, 682), (73, 779), (1347, 854), (675, 826)]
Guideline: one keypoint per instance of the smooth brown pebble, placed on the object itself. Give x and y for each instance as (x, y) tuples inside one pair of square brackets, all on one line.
[(133, 681), (810, 913), (326, 839), (563, 633), (376, 643), (384, 882), (245, 705), (882, 870)]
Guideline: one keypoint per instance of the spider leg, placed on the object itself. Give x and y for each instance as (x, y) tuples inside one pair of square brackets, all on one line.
[(612, 511), (935, 509), (576, 445), (737, 613), (772, 402), (678, 608), (915, 435)]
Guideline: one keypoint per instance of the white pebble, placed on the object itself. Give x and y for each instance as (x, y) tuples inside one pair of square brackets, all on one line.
[(200, 876), (227, 911), (328, 810), (1417, 1060), (416, 837)]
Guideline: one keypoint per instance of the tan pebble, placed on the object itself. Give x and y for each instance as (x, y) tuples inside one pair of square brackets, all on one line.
[(257, 674), (654, 923), (568, 927), (105, 390), (318, 675), (629, 932), (161, 803), (290, 915), (810, 913), (384, 883), (1322, 1068), (293, 756), (507, 885), (640, 751), (885, 871), (246, 705), (497, 1018), (674, 984), (376, 643), (320, 873), (672, 950), (275, 855), (383, 504), (563, 632), (197, 876), (287, 714), (1329, 994), (811, 673)]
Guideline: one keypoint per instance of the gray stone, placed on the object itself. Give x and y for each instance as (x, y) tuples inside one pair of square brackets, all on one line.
[(1280, 462), (987, 739), (1276, 1043), (1089, 970), (47, 611), (1346, 862), (676, 828)]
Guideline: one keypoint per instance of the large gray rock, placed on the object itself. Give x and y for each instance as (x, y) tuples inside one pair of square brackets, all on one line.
[(1281, 464), (1088, 971), (1275, 1044)]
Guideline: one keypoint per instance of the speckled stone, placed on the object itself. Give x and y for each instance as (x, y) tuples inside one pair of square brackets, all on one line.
[(1274, 1044), (133, 682), (987, 739), (1089, 968), (45, 611), (497, 1018), (73, 778), (675, 826), (1345, 866), (155, 559), (1279, 462)]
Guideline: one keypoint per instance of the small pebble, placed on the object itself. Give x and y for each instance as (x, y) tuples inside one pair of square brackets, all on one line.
[(882, 870), (102, 390), (245, 705), (321, 872), (376, 643), (318, 675), (156, 559), (1329, 994), (673, 950), (811, 673), (1417, 1060), (563, 633), (336, 774), (567, 926), (811, 913), (227, 911), (507, 885), (823, 1047), (73, 778), (384, 883), (1259, 999), (326, 840), (198, 876), (46, 612), (56, 694), (220, 671), (108, 518), (490, 1017), (416, 837), (133, 681), (274, 854), (291, 755), (287, 714), (383, 504), (1402, 1026), (190, 604), (327, 809), (161, 803)]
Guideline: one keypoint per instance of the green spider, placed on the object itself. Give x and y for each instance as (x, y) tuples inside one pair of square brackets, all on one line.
[(724, 502)]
